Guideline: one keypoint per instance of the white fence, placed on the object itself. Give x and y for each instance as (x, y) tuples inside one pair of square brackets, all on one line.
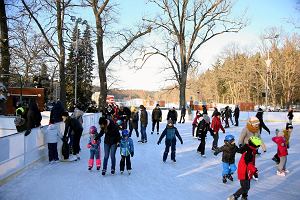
[(18, 152)]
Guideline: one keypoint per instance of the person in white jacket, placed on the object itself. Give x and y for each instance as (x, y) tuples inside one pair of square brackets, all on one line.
[(52, 136)]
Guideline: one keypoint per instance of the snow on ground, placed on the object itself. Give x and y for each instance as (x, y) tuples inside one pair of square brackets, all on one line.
[(192, 177)]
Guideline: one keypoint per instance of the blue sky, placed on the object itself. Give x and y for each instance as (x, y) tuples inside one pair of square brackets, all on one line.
[(262, 15)]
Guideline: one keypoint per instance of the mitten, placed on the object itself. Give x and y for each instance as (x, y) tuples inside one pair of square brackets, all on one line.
[(158, 143), (215, 153), (88, 146), (181, 142), (132, 153)]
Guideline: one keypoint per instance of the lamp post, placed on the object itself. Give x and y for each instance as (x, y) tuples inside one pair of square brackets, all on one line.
[(84, 22), (21, 84), (268, 70)]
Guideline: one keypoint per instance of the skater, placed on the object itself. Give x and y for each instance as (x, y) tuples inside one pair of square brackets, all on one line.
[(156, 118), (34, 117), (202, 128), (21, 118), (172, 114), (287, 133), (144, 123), (262, 124), (251, 129), (126, 150), (52, 136), (182, 114), (246, 167), (216, 125), (94, 146), (236, 115), (171, 133), (111, 140), (230, 115), (227, 115), (282, 153), (133, 121), (196, 120), (229, 150), (290, 115), (73, 128)]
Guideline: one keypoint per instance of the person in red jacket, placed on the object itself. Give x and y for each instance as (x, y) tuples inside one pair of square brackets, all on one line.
[(246, 167), (195, 123), (282, 153), (216, 125)]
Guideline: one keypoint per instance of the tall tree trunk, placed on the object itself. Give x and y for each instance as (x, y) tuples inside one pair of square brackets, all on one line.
[(5, 56), (61, 63), (101, 64), (182, 87)]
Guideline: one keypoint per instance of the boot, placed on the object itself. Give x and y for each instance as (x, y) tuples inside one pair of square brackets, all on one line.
[(103, 172), (224, 179), (232, 197), (229, 176)]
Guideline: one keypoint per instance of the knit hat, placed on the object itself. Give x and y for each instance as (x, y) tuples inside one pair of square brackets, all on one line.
[(253, 121), (170, 122), (253, 124)]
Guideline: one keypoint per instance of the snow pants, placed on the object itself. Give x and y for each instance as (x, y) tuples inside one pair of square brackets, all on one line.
[(172, 144), (95, 154), (125, 159)]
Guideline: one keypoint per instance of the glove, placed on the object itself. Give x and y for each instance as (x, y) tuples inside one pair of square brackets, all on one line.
[(132, 153), (181, 142), (223, 132), (240, 145), (269, 132), (215, 153), (88, 146), (158, 143), (27, 132)]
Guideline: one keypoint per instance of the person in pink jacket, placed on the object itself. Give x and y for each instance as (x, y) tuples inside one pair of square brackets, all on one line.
[(195, 123), (216, 125), (282, 153)]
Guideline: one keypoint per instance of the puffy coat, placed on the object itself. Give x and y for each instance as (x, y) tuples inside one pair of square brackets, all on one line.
[(246, 134), (93, 144), (112, 135), (52, 133), (126, 147), (170, 133), (156, 114), (72, 125), (281, 146), (216, 124), (144, 117), (229, 151), (172, 114), (246, 166)]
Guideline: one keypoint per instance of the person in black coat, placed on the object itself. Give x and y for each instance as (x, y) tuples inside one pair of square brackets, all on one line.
[(227, 116), (111, 141), (73, 129), (262, 124), (156, 118), (202, 128), (290, 116), (172, 114), (34, 117), (182, 114), (134, 121), (56, 112), (236, 115)]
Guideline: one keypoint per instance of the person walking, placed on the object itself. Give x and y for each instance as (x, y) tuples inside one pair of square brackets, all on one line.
[(262, 124), (133, 121), (156, 118), (182, 114), (144, 123), (172, 114), (236, 115)]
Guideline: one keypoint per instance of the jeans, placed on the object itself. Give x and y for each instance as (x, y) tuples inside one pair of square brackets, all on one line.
[(110, 150), (143, 133), (172, 144), (228, 168), (215, 141)]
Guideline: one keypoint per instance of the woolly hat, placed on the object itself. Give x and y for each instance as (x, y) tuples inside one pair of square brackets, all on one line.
[(253, 121)]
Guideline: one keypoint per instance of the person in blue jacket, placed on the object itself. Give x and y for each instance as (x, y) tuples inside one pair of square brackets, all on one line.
[(126, 150), (170, 132)]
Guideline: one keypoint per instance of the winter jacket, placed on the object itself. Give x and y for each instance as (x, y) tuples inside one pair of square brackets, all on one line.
[(52, 133), (202, 129), (246, 166), (78, 114), (156, 114), (109, 111), (216, 124), (183, 111), (72, 125), (126, 147), (172, 114), (287, 136), (290, 115), (94, 145), (229, 151), (236, 113), (196, 120), (144, 117), (281, 146), (134, 119), (112, 135), (34, 118), (170, 133), (56, 112)]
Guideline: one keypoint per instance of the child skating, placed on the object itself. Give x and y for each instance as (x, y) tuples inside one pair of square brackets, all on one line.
[(94, 146), (229, 150), (171, 133), (126, 150), (246, 167), (282, 153)]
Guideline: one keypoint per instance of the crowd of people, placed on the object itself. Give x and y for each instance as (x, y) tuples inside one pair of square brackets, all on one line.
[(118, 122)]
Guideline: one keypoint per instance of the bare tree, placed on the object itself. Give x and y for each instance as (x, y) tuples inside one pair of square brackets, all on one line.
[(188, 25), (103, 17)]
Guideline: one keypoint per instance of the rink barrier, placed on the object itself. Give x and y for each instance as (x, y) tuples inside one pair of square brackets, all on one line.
[(18, 152)]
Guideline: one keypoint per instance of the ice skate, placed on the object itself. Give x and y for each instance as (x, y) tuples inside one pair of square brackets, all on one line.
[(230, 177), (90, 168), (224, 179), (129, 171), (103, 172), (232, 197)]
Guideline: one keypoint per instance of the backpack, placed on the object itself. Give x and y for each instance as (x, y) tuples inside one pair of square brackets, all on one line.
[(19, 121)]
